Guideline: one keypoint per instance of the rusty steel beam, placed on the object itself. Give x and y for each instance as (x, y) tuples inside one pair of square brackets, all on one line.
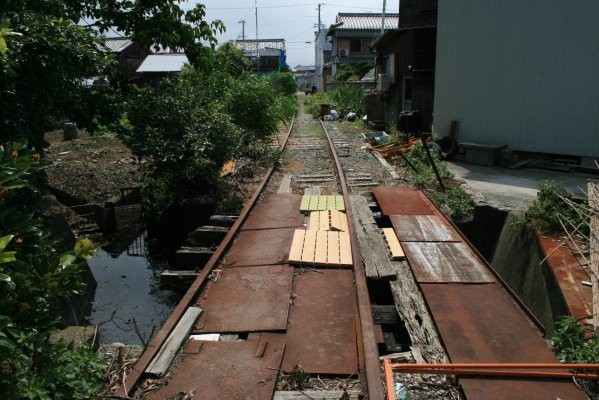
[(189, 298), (366, 326)]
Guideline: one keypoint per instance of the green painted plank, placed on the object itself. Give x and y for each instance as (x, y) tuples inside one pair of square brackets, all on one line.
[(322, 203), (314, 203), (305, 204), (339, 203), (331, 203)]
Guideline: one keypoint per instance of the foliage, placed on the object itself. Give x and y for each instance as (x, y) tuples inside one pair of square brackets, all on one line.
[(314, 101), (284, 83), (41, 70), (457, 201), (185, 136), (348, 98), (344, 71), (285, 107), (549, 207), (34, 278), (364, 67)]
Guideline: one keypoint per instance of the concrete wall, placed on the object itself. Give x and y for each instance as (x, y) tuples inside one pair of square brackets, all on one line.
[(520, 72)]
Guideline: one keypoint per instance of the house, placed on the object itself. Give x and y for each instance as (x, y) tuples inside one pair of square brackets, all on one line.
[(157, 66), (405, 66), (521, 73), (322, 59), (352, 36), (129, 54), (268, 54), (304, 76)]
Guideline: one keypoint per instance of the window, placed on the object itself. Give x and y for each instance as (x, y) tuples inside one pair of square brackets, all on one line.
[(355, 46)]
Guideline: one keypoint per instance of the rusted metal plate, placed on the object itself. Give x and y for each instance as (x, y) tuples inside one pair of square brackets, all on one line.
[(260, 247), (321, 334), (402, 200), (278, 211), (247, 300), (423, 228), (224, 370), (445, 262), (481, 323), (572, 295)]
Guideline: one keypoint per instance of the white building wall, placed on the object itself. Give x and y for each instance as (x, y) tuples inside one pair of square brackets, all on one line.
[(520, 72), (320, 45)]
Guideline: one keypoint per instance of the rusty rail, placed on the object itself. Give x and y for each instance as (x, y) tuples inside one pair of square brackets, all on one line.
[(131, 381), (366, 326)]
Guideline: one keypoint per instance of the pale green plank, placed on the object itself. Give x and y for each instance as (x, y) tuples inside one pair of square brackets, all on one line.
[(331, 203), (305, 205), (339, 203), (322, 203), (314, 203)]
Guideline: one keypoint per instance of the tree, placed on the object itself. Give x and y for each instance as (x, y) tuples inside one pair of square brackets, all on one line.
[(41, 71)]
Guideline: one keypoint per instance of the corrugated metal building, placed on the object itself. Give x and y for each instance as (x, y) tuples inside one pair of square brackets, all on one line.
[(520, 72)]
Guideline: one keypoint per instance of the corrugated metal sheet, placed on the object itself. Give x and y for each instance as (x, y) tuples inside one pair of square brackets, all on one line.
[(117, 44), (522, 73), (366, 21), (163, 63)]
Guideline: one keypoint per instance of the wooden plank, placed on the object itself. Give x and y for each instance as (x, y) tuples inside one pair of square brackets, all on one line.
[(320, 252), (316, 394), (593, 194), (333, 247), (339, 203), (297, 245), (344, 223), (335, 220), (285, 186), (309, 244), (313, 203), (423, 228), (305, 204), (394, 245), (314, 223), (322, 203), (324, 224), (345, 256), (384, 314), (169, 349)]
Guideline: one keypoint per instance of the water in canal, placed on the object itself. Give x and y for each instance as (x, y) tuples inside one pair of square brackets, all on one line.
[(128, 296)]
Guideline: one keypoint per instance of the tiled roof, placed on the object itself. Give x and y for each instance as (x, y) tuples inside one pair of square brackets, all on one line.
[(362, 21), (117, 44), (163, 63), (255, 45)]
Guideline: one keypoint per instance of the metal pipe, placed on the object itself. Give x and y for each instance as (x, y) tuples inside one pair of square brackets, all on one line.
[(503, 373), (498, 365), (430, 158)]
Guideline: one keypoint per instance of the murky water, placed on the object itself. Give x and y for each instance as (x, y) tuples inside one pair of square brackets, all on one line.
[(128, 295)]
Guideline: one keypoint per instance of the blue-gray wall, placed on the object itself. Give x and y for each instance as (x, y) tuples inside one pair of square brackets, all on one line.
[(520, 72)]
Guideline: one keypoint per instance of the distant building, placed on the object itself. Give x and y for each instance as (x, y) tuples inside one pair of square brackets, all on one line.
[(322, 58), (304, 76), (129, 54), (353, 34), (156, 66), (268, 54)]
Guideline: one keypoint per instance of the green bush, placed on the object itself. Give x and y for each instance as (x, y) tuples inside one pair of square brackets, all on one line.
[(34, 279), (314, 101), (347, 98), (284, 83), (344, 71)]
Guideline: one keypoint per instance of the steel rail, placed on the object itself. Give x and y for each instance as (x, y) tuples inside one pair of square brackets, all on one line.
[(366, 326), (131, 381)]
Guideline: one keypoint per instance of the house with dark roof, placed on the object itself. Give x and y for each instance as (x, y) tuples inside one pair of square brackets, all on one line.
[(268, 54), (130, 55), (353, 34)]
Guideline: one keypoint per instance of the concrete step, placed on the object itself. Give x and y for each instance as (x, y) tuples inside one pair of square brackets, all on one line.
[(192, 257), (208, 235)]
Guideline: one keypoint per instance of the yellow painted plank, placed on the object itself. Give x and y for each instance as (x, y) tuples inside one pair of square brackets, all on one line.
[(336, 220), (331, 203), (320, 253), (344, 226), (309, 244), (333, 247), (314, 222), (322, 203), (339, 203), (345, 257), (305, 204), (324, 221), (394, 245), (295, 253), (314, 203)]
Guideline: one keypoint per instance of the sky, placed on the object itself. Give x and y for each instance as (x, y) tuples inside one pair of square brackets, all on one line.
[(292, 20)]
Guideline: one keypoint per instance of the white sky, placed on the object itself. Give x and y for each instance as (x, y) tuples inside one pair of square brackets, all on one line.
[(292, 20)]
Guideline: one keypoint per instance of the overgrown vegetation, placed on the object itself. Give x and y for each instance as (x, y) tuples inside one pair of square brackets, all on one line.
[(552, 212), (573, 347), (344, 99), (34, 278), (455, 201), (345, 71)]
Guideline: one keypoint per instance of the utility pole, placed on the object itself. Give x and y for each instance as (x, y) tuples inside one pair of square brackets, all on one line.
[(242, 22), (256, 5), (319, 23), (383, 22)]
